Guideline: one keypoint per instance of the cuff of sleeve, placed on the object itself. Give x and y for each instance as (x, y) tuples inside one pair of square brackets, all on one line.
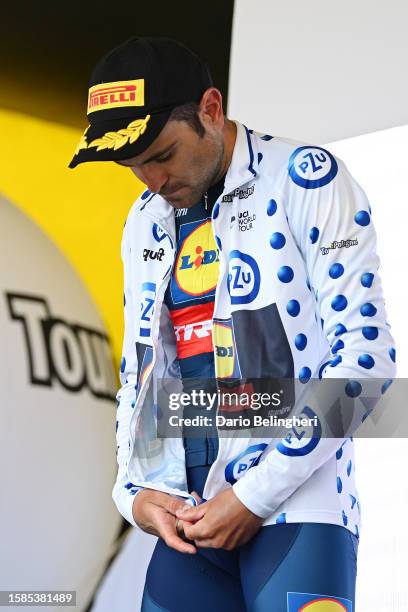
[(244, 490), (127, 506)]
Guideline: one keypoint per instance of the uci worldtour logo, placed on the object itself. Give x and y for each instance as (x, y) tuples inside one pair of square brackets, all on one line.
[(76, 356), (245, 220), (312, 167), (243, 279)]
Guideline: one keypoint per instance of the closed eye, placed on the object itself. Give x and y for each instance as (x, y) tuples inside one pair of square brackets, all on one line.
[(160, 160)]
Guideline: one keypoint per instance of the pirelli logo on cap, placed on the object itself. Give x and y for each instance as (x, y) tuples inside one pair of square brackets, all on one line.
[(115, 95)]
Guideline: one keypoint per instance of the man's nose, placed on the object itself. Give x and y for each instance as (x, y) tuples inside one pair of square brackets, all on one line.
[(154, 178)]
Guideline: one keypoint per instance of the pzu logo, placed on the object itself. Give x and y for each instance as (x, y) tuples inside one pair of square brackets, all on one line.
[(147, 308), (149, 254), (241, 464), (312, 167), (76, 356), (243, 279)]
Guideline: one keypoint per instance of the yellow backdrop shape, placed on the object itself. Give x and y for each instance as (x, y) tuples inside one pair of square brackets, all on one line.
[(82, 210)]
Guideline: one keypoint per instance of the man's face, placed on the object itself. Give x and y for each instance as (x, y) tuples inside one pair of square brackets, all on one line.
[(180, 165)]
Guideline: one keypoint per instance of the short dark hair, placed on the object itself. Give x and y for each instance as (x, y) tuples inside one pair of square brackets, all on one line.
[(189, 113)]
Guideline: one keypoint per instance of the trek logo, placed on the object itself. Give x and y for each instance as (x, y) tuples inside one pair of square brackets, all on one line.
[(57, 351), (149, 254), (312, 167), (245, 220), (244, 278), (239, 193), (147, 308), (116, 94), (200, 330)]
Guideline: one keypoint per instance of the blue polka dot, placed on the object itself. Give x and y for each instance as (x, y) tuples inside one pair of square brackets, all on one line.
[(339, 344), (308, 284), (356, 532), (145, 194), (314, 234), (216, 211), (366, 361), (300, 342), (285, 274), (322, 367), (272, 206), (353, 500), (266, 137), (368, 310), (133, 403), (336, 270), (117, 425), (362, 217), (124, 300), (353, 388), (322, 322), (277, 240), (293, 308), (339, 453), (305, 374), (339, 303), (338, 359), (367, 279), (349, 466), (123, 364), (281, 518), (370, 333), (219, 243), (387, 384), (345, 519), (260, 156), (339, 485), (340, 329), (391, 353)]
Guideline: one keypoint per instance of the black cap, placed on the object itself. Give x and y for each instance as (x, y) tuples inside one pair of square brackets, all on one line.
[(132, 92)]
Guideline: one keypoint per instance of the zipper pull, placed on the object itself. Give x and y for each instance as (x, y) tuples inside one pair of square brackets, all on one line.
[(205, 200)]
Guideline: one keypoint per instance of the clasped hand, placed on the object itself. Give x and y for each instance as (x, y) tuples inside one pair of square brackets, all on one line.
[(221, 522)]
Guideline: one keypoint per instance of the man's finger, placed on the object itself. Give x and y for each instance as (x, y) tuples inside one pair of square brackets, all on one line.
[(174, 541), (187, 513)]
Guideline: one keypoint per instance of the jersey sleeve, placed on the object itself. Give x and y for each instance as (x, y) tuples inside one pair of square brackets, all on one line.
[(333, 228), (124, 491)]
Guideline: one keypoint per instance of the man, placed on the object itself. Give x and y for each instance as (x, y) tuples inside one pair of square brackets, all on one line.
[(247, 258)]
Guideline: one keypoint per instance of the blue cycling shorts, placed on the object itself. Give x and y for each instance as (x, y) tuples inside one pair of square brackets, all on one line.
[(286, 567)]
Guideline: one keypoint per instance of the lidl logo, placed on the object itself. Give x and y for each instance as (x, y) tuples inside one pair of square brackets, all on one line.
[(197, 264), (309, 602), (226, 359)]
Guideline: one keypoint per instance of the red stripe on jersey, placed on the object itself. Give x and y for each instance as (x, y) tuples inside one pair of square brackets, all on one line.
[(193, 329)]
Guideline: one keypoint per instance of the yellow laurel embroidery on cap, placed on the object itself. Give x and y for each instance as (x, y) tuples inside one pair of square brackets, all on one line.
[(116, 140), (82, 143)]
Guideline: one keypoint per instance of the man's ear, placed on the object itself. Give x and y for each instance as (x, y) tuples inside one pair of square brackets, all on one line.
[(211, 106)]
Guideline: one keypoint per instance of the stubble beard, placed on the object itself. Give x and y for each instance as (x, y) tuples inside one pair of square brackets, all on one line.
[(204, 181)]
